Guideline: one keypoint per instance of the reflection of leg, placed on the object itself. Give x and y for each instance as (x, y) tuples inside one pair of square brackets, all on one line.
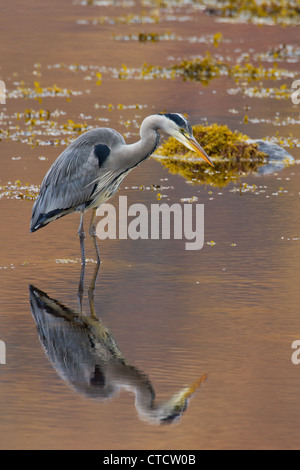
[(92, 290), (81, 238), (92, 232), (81, 288)]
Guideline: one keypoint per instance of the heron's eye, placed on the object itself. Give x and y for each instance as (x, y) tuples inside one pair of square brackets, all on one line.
[(182, 130)]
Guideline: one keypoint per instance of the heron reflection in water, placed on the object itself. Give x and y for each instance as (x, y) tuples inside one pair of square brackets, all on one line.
[(86, 356)]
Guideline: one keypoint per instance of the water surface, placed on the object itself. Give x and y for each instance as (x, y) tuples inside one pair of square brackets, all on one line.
[(230, 310)]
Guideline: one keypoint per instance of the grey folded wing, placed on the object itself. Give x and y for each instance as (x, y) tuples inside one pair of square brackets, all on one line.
[(75, 178)]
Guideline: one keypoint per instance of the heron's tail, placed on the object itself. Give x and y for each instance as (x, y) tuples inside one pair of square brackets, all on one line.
[(41, 215), (41, 220)]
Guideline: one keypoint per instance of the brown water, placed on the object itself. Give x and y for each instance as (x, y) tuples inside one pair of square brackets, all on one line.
[(230, 309)]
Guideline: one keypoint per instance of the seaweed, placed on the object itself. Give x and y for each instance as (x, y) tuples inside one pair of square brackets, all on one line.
[(232, 155), (276, 11), (200, 69)]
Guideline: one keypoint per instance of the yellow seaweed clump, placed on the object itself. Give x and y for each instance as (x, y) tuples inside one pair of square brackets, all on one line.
[(232, 155), (199, 69)]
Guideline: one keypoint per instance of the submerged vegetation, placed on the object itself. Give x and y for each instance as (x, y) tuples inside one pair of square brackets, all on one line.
[(230, 151)]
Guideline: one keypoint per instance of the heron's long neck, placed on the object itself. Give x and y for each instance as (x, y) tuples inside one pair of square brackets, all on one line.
[(148, 142)]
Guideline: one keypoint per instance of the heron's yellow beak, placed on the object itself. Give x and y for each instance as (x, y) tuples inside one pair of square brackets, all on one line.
[(193, 145)]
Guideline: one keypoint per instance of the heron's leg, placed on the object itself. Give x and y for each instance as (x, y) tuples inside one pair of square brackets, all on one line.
[(92, 290), (81, 288), (92, 232), (81, 238), (82, 273)]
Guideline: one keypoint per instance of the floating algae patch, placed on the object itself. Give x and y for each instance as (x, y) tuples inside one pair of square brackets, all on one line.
[(152, 17), (232, 154), (150, 37), (259, 12), (281, 93), (40, 127), (144, 37), (201, 69), (38, 92), (282, 52), (18, 190)]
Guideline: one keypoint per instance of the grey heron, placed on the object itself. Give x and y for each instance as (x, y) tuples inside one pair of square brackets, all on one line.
[(90, 170)]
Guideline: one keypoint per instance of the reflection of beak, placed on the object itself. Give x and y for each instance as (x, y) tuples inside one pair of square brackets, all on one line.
[(189, 391), (179, 399), (178, 403), (192, 143)]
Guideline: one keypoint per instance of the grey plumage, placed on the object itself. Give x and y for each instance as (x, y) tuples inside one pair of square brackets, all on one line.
[(89, 171), (76, 177)]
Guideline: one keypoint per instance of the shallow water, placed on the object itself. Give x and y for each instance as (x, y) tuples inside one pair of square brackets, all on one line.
[(230, 309)]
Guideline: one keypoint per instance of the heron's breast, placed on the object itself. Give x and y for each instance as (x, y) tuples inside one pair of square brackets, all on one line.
[(102, 195)]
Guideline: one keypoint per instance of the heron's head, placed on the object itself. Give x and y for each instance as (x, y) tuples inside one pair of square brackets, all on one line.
[(178, 127)]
